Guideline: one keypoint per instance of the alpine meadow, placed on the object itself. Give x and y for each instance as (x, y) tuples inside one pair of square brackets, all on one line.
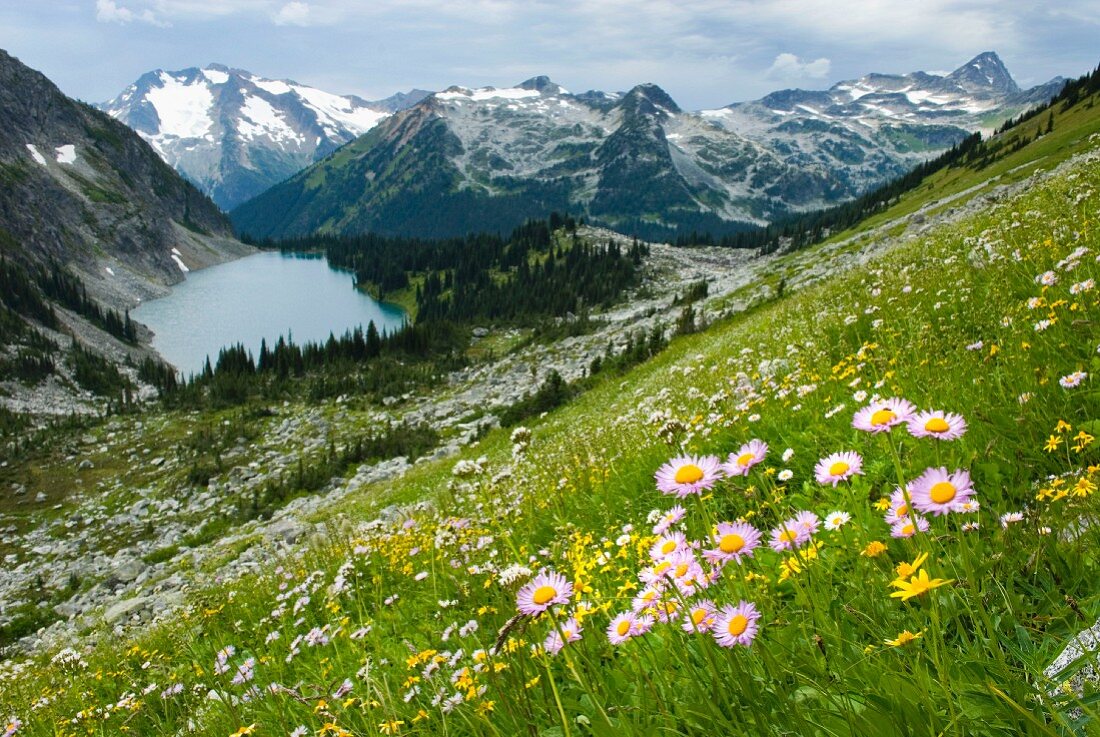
[(779, 418)]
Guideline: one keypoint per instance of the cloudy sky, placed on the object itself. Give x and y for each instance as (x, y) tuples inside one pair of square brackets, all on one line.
[(706, 53)]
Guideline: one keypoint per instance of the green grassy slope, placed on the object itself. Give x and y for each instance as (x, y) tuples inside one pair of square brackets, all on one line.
[(403, 621)]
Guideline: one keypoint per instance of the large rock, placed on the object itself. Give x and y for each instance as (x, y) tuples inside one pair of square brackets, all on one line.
[(129, 570), (1086, 642), (123, 610)]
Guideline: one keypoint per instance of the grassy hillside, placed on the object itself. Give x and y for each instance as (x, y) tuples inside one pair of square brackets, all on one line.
[(404, 619)]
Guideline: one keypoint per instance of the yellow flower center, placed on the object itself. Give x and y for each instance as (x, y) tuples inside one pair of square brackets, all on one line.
[(698, 615), (738, 624), (788, 535), (544, 594), (688, 474), (883, 417), (909, 529), (942, 492), (902, 510), (623, 627), (839, 468), (937, 424), (681, 570), (668, 547), (744, 459), (731, 543)]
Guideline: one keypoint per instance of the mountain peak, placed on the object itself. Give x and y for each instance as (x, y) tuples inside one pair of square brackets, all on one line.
[(647, 97), (542, 84), (985, 72)]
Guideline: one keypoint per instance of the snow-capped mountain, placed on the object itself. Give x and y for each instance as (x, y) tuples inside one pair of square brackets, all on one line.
[(235, 134), (486, 159)]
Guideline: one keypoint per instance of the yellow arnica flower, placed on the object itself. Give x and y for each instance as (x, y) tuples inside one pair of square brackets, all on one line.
[(244, 730), (904, 638), (916, 586), (873, 549), (905, 570)]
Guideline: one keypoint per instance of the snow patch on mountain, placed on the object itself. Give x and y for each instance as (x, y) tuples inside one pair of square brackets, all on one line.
[(183, 109), (66, 154), (358, 118), (487, 93), (216, 76), (259, 118), (35, 154)]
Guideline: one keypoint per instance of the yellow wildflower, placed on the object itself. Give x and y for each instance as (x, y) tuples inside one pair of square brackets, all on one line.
[(904, 638), (873, 549), (244, 730), (916, 586), (904, 570), (1052, 443)]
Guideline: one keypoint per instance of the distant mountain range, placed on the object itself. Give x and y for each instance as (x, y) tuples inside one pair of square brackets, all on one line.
[(291, 160), (476, 159), (235, 134), (83, 190)]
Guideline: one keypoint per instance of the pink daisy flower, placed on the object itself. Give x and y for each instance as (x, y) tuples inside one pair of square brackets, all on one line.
[(686, 573), (642, 623), (899, 508), (938, 492), (656, 574), (837, 467), (883, 415), (647, 598), (909, 526), (967, 507), (668, 544), (936, 424), (733, 539), (700, 616), (568, 631), (687, 475), (1072, 381), (670, 518), (542, 592), (666, 610), (788, 536), (747, 456), (736, 624), (621, 628), (808, 521)]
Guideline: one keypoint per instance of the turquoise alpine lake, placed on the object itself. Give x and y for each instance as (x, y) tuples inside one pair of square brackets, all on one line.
[(259, 297)]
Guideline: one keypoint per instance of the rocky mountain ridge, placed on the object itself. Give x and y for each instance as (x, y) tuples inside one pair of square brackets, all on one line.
[(83, 190), (465, 158)]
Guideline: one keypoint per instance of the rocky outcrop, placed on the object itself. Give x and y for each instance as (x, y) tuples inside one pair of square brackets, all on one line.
[(79, 188)]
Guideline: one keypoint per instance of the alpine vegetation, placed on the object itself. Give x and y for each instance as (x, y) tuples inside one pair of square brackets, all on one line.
[(866, 506)]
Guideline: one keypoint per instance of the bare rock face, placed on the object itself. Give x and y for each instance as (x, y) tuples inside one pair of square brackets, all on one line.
[(1087, 642), (79, 188)]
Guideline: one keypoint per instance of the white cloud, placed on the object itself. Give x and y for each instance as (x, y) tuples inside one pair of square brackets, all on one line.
[(789, 66), (293, 14), (108, 11)]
